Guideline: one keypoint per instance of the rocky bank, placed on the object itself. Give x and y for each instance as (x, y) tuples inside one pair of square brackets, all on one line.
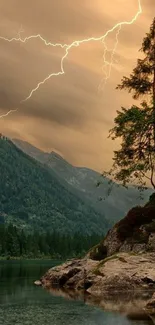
[(124, 262)]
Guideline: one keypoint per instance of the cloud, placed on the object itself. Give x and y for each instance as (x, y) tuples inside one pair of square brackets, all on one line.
[(67, 112)]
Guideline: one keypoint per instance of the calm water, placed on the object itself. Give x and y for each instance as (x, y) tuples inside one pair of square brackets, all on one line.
[(22, 303)]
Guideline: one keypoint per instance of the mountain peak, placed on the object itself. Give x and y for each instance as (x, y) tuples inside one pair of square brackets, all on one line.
[(56, 155), (35, 198)]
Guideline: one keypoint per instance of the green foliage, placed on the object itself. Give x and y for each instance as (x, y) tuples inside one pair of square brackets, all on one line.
[(152, 199), (17, 243), (32, 197), (135, 160), (142, 78), (81, 181), (135, 126)]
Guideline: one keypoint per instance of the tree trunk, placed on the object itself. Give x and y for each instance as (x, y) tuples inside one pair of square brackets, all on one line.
[(154, 88), (154, 101)]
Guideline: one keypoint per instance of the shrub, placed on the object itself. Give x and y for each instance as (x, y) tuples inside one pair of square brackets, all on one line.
[(135, 218), (152, 199), (99, 252)]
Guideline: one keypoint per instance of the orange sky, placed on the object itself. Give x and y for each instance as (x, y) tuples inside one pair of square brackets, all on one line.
[(67, 113)]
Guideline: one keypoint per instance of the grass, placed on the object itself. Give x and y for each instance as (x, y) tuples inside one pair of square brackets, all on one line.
[(102, 263)]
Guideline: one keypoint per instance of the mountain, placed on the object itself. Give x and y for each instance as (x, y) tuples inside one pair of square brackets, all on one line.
[(83, 182), (33, 197)]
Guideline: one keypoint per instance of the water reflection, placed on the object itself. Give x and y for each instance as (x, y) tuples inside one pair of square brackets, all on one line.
[(23, 303), (128, 304)]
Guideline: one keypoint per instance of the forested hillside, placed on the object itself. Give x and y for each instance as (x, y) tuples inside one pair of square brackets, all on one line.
[(83, 182), (15, 242), (32, 197)]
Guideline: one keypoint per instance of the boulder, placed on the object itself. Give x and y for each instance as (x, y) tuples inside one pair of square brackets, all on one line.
[(119, 272), (121, 265)]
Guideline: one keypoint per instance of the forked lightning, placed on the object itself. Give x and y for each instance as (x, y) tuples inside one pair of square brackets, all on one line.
[(68, 47)]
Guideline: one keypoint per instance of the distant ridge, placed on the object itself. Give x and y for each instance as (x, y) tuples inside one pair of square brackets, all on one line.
[(83, 180), (34, 197)]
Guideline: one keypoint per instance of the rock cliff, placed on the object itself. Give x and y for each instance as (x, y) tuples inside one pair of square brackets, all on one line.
[(123, 262)]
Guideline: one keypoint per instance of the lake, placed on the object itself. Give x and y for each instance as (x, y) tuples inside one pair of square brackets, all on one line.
[(23, 303)]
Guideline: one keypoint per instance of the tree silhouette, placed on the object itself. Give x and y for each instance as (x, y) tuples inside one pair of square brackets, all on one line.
[(135, 160)]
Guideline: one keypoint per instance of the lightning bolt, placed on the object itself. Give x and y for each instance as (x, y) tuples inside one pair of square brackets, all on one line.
[(61, 72), (107, 63), (9, 112), (68, 47), (20, 31), (27, 38)]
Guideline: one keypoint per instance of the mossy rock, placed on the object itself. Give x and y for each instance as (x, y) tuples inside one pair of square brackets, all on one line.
[(102, 263), (98, 253)]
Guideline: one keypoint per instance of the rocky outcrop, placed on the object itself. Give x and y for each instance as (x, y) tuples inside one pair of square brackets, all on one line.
[(124, 262), (122, 283), (135, 233), (73, 274), (118, 273)]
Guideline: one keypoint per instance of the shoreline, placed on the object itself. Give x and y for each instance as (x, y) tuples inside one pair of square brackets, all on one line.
[(25, 258)]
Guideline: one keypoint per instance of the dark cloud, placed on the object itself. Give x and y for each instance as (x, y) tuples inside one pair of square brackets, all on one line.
[(57, 20), (67, 112)]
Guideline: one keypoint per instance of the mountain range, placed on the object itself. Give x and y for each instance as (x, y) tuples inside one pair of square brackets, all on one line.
[(82, 181), (34, 197)]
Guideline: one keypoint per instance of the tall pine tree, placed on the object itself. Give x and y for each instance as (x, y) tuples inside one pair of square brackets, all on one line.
[(135, 160)]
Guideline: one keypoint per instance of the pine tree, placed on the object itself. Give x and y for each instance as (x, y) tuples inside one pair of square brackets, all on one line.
[(135, 160)]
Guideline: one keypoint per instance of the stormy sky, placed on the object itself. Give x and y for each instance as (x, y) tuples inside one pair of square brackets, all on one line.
[(67, 114)]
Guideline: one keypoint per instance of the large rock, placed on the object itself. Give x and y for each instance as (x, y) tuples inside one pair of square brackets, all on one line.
[(71, 274), (135, 233), (120, 272), (124, 262)]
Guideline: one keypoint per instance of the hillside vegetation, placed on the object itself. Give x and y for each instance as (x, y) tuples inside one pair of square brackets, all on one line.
[(32, 197), (16, 243), (82, 182)]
